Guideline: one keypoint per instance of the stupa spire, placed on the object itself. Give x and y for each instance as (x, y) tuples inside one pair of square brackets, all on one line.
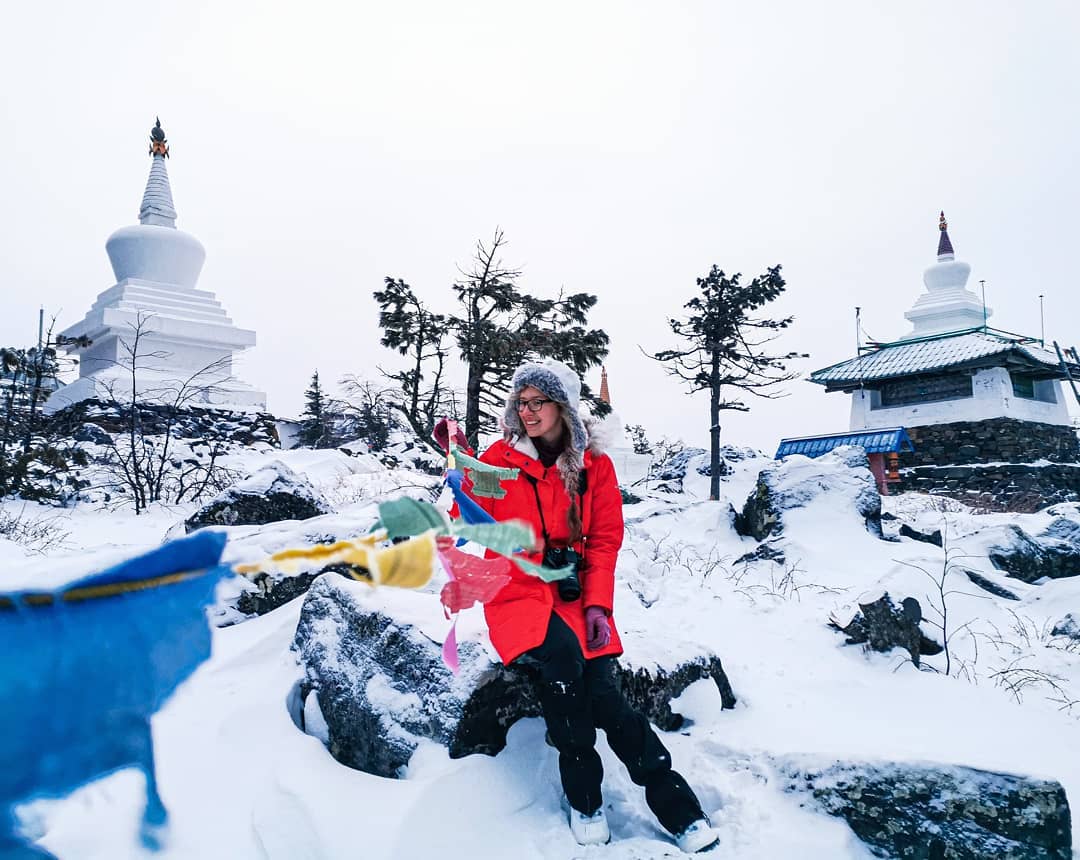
[(944, 247), (605, 395), (157, 203)]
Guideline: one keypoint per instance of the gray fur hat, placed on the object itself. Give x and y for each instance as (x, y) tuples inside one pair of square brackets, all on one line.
[(559, 382)]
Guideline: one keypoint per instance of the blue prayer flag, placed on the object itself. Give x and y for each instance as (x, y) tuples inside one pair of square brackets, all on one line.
[(85, 666)]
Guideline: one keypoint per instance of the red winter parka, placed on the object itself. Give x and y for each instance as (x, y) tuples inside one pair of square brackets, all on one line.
[(518, 616)]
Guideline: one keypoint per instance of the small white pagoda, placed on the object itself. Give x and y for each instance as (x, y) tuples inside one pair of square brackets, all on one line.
[(951, 366), (185, 339)]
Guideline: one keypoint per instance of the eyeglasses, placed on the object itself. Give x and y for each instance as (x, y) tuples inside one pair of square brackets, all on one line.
[(534, 405)]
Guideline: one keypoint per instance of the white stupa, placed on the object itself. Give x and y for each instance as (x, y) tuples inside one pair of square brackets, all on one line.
[(947, 305), (186, 341)]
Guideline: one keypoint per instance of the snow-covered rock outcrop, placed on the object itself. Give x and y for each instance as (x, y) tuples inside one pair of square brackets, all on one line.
[(272, 494), (926, 811), (841, 478), (376, 686), (1054, 553)]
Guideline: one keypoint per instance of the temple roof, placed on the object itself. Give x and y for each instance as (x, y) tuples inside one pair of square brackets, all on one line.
[(884, 440), (965, 349)]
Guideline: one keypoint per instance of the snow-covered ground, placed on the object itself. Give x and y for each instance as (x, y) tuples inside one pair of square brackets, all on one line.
[(241, 781)]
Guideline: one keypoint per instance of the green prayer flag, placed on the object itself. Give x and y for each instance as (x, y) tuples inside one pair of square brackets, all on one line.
[(503, 538), (486, 479), (548, 574), (407, 517)]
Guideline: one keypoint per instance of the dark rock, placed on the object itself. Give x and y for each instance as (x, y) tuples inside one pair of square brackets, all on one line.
[(933, 537), (628, 496), (381, 686), (1054, 554), (272, 494), (926, 812), (91, 433), (273, 592), (765, 552), (986, 585), (1067, 626), (882, 625)]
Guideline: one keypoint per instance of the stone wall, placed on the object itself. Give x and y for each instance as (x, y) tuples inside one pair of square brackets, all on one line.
[(1017, 487), (998, 464), (191, 422), (995, 440)]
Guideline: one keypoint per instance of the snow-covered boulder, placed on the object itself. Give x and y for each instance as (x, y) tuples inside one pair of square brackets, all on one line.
[(882, 625), (1054, 553), (272, 494), (670, 474), (1068, 626), (926, 811), (839, 478), (375, 686)]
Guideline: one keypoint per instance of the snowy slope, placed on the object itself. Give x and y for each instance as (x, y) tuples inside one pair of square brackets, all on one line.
[(241, 781)]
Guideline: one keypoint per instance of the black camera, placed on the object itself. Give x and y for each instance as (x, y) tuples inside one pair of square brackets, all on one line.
[(564, 556)]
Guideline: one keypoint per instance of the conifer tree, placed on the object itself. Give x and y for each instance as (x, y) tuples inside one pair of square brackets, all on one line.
[(725, 348), (315, 417), (497, 327), (501, 326), (410, 328)]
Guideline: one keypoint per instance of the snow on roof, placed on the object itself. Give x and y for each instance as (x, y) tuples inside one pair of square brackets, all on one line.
[(906, 358)]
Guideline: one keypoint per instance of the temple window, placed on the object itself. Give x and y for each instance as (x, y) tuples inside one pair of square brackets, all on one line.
[(905, 392), (1030, 388)]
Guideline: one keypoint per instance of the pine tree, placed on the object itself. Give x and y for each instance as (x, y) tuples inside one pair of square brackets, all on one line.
[(724, 348), (414, 331), (34, 457), (497, 328), (314, 430), (501, 326)]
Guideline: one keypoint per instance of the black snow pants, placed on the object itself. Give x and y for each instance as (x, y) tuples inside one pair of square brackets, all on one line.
[(579, 696)]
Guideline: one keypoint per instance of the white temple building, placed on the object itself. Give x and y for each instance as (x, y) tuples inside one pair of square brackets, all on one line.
[(186, 341), (955, 392), (951, 366)]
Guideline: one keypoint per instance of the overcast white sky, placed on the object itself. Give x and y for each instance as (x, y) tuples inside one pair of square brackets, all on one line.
[(624, 147)]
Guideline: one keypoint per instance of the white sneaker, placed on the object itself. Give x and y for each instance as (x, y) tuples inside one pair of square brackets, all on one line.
[(699, 836), (590, 829)]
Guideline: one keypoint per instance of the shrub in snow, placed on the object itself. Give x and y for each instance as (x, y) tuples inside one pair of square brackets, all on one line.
[(381, 686), (927, 811), (272, 494), (1054, 553), (841, 477)]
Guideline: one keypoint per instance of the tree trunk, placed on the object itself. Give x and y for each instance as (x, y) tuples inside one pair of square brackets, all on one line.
[(472, 406), (714, 428)]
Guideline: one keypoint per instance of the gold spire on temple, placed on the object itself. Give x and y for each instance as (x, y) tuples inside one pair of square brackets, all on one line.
[(158, 144)]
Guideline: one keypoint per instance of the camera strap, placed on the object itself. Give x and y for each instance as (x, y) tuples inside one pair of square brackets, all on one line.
[(539, 507), (582, 485)]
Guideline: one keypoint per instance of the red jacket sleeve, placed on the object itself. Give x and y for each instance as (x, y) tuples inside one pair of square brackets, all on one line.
[(603, 535)]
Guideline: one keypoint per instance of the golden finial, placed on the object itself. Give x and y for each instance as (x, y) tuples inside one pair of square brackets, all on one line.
[(158, 144)]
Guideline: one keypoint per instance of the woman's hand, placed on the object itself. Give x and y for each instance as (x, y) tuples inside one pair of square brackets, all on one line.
[(597, 628)]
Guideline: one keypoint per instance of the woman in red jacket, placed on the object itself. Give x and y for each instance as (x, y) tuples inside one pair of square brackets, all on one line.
[(564, 631)]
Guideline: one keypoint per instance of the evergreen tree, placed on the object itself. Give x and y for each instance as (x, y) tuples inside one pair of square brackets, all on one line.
[(500, 327), (34, 457), (497, 328), (724, 348), (314, 429), (414, 331)]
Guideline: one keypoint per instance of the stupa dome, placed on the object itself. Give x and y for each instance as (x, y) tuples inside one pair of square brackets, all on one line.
[(149, 252)]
